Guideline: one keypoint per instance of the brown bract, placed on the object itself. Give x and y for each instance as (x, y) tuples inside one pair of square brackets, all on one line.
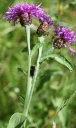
[(44, 26), (59, 42), (25, 19)]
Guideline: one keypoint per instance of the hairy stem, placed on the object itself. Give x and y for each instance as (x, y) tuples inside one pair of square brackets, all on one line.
[(41, 39), (29, 79), (29, 97)]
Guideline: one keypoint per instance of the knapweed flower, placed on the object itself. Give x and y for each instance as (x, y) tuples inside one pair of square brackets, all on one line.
[(64, 37), (24, 12), (42, 29), (46, 18), (46, 22)]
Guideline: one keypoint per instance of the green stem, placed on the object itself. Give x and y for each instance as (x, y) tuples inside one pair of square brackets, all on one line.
[(29, 80), (34, 80), (37, 68), (41, 39)]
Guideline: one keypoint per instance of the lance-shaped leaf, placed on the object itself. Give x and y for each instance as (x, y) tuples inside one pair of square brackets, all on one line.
[(59, 58), (16, 120), (21, 70), (24, 50), (38, 45), (22, 99)]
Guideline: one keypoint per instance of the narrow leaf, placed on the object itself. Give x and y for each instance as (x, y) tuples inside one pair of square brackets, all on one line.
[(42, 42), (24, 50), (59, 58), (37, 46), (22, 99), (15, 120), (21, 70)]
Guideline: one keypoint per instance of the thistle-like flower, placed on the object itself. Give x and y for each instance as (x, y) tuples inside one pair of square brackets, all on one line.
[(64, 37), (24, 12), (45, 23)]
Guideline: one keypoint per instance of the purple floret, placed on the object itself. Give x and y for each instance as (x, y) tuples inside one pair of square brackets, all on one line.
[(14, 13), (46, 18), (68, 35)]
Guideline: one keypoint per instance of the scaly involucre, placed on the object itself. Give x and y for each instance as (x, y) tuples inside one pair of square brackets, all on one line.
[(66, 35), (69, 35)]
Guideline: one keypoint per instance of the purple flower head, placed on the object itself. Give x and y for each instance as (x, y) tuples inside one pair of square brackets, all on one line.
[(25, 12), (46, 18), (45, 23), (67, 34), (65, 37)]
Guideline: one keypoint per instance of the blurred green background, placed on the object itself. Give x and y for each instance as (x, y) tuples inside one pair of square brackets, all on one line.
[(55, 83)]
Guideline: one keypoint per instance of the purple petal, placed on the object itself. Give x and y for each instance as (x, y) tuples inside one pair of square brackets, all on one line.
[(13, 13), (72, 51)]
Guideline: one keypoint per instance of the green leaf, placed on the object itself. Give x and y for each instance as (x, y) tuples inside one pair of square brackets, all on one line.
[(24, 50), (42, 42), (16, 120), (20, 69), (59, 58), (22, 99), (37, 46)]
